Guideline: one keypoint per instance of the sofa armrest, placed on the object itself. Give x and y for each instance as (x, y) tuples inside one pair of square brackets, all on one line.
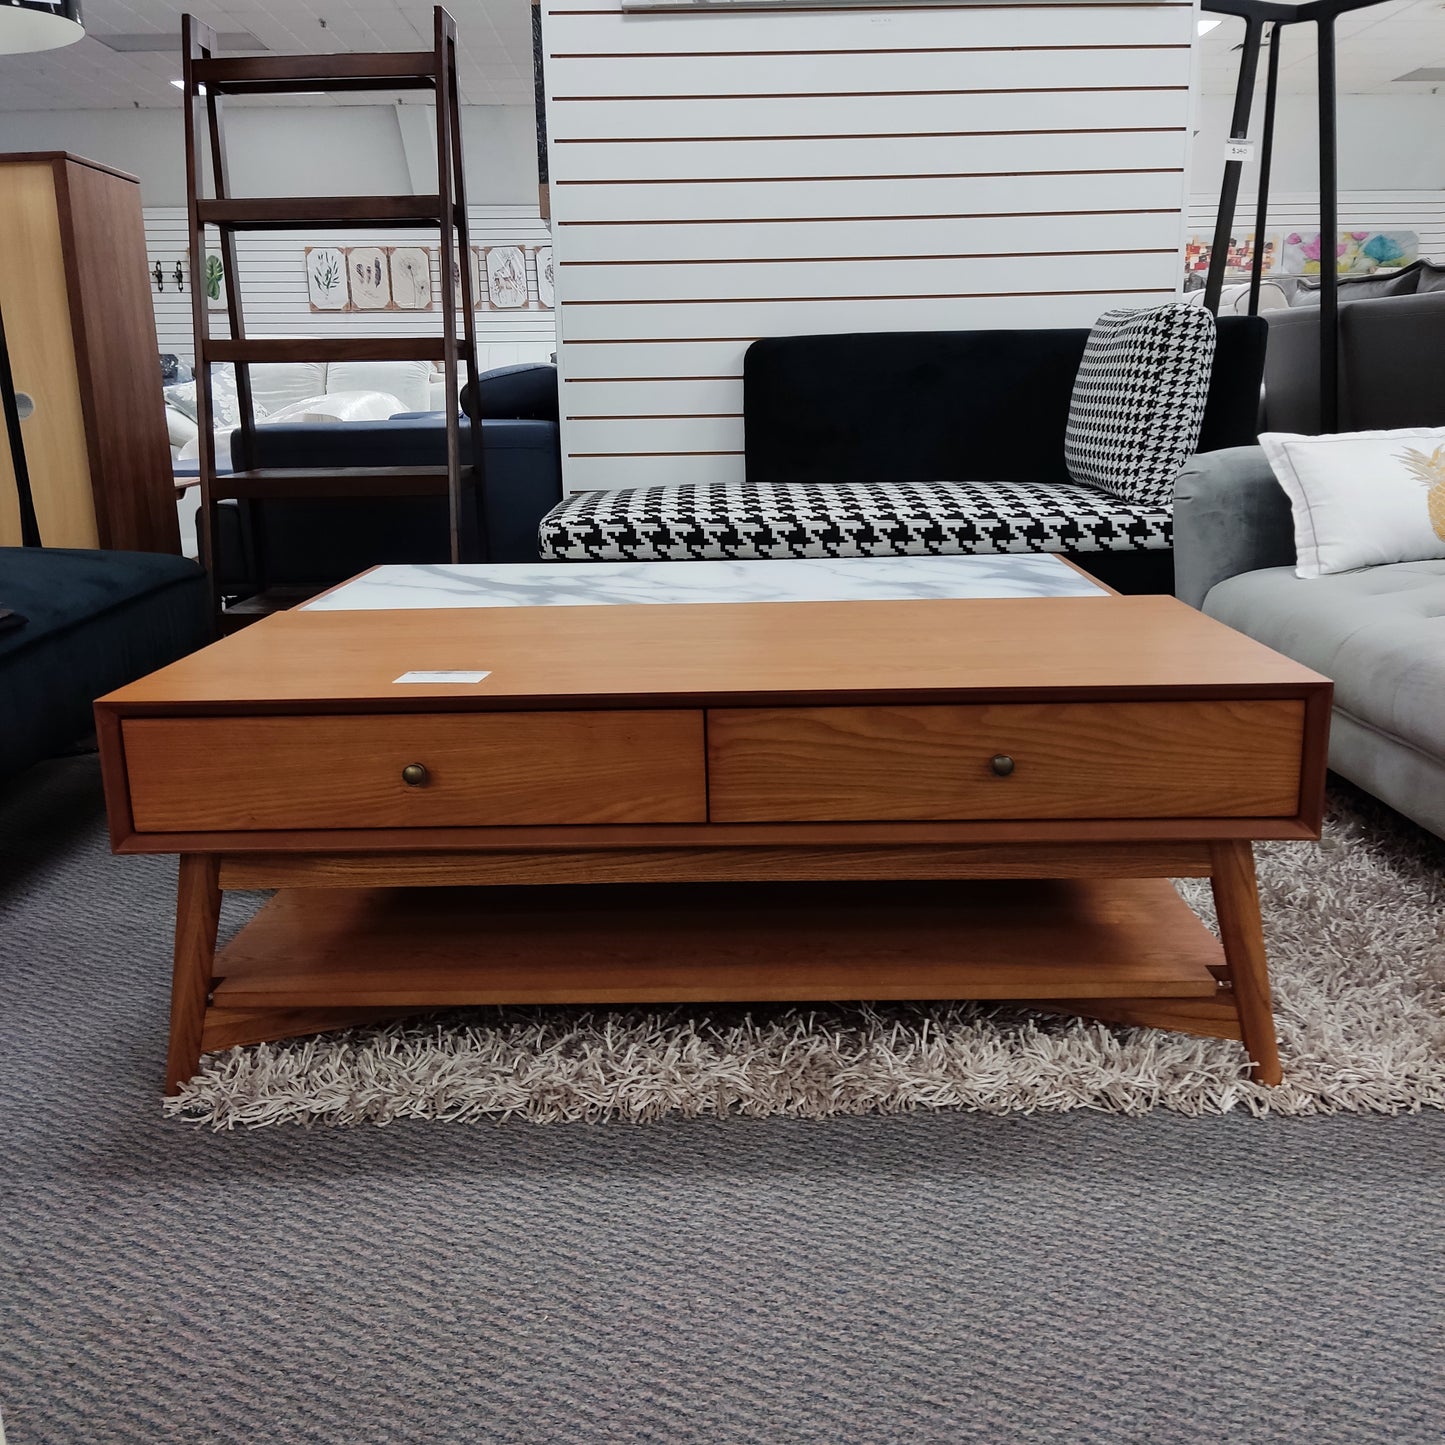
[(1230, 516)]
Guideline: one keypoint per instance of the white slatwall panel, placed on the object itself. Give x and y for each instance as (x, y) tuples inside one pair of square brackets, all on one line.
[(718, 177), (273, 282), (1420, 211)]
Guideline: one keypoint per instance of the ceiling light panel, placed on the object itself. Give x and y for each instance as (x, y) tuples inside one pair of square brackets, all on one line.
[(161, 41)]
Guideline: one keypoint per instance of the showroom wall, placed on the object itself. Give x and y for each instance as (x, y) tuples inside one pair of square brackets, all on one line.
[(298, 151), (351, 149), (718, 176), (1391, 166), (1386, 142)]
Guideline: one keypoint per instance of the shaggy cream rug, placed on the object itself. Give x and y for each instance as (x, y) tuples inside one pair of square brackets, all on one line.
[(1356, 932)]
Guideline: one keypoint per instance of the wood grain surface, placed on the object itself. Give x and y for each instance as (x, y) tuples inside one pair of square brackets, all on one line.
[(198, 912), (701, 863), (322, 948), (34, 293), (1069, 760), (113, 322), (1045, 648), (346, 772)]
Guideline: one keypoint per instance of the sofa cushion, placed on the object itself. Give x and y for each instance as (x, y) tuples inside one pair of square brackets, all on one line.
[(1431, 276), (1234, 298), (1138, 400), (1379, 633), (850, 519), (96, 620), (275, 384), (408, 381), (225, 405), (1403, 282)]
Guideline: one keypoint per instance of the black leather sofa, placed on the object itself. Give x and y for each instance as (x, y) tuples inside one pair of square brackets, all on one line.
[(858, 419), (93, 621)]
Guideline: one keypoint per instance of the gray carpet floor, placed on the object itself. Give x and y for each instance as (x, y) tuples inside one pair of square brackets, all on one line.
[(930, 1278)]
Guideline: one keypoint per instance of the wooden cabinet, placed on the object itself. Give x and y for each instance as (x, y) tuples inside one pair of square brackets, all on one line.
[(81, 333)]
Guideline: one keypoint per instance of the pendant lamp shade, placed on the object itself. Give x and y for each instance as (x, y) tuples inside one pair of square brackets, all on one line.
[(27, 25)]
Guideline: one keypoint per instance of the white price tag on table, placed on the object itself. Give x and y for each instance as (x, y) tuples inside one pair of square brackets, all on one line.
[(441, 677)]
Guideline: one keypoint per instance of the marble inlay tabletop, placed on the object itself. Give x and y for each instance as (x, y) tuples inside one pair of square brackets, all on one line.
[(590, 584)]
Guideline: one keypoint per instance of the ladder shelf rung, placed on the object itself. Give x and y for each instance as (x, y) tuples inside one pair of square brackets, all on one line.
[(272, 483), (279, 213), (278, 74), (334, 348)]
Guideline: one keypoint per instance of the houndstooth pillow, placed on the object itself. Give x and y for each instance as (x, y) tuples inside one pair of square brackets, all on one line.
[(1139, 400)]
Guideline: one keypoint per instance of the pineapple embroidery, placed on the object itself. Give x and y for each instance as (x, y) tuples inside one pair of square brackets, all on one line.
[(1430, 470)]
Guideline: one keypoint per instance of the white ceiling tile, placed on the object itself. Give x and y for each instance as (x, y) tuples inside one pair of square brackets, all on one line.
[(1373, 45), (90, 76)]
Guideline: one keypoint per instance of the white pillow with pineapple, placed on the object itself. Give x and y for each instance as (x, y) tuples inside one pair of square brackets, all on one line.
[(1362, 499)]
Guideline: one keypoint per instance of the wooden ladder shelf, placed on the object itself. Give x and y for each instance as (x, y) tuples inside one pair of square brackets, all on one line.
[(207, 80)]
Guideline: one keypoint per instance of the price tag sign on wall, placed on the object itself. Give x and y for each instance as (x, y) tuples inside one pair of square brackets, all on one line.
[(1239, 150)]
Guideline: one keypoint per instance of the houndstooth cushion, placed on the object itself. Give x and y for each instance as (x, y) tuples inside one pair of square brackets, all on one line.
[(1139, 400), (734, 520)]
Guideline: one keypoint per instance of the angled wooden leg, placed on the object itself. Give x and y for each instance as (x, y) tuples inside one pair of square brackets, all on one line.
[(198, 913), (1236, 899)]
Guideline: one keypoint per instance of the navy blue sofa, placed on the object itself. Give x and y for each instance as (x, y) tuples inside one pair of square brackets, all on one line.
[(93, 621), (320, 542)]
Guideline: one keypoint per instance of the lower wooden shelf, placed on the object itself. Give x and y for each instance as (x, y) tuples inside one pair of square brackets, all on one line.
[(409, 948)]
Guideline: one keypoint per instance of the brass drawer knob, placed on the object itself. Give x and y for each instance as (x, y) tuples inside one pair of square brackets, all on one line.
[(1002, 764), (414, 775)]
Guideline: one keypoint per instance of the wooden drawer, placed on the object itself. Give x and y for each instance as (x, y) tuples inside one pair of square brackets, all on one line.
[(1071, 760), (230, 774)]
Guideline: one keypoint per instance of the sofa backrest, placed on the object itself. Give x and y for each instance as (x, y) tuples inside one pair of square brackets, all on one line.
[(901, 406), (490, 356), (279, 384), (1392, 355)]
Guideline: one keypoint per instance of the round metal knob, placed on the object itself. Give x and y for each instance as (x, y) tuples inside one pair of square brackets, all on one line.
[(1002, 764), (414, 775)]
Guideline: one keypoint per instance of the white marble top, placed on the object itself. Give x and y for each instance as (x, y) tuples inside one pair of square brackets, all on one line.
[(589, 584)]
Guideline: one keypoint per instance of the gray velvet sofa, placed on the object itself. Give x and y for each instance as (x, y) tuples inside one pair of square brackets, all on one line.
[(1378, 632), (1392, 354)]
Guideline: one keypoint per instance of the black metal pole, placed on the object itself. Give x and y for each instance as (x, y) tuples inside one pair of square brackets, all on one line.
[(29, 527), (1329, 233), (1266, 156), (1229, 191)]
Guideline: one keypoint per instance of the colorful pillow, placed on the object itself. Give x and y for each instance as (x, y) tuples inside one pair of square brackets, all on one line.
[(1362, 499), (1138, 401)]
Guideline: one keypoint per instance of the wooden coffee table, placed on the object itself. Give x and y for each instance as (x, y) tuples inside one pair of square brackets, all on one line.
[(974, 797)]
